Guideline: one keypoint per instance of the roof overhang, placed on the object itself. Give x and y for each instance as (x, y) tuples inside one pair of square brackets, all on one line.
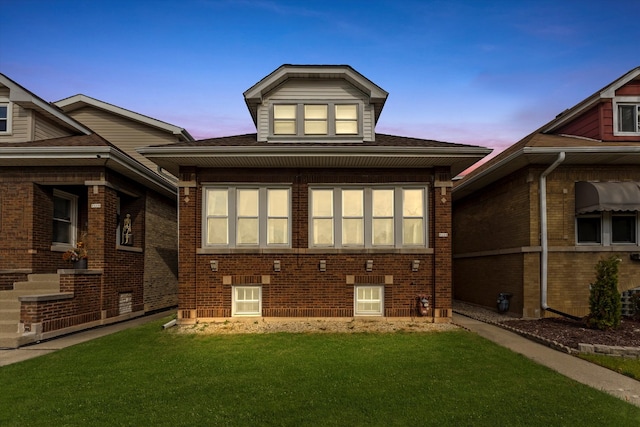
[(255, 94), (601, 155), (76, 156), (26, 99), (607, 196), (173, 157), (80, 101)]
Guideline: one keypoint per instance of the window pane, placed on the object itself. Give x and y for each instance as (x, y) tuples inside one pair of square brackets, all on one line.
[(247, 231), (589, 230), (352, 202), (284, 111), (278, 231), (623, 229), (61, 232), (62, 209), (278, 203), (284, 127), (217, 202), (383, 231), (347, 128), (217, 233), (322, 203), (247, 300), (247, 202), (369, 300), (627, 118), (315, 127), (352, 231), (346, 112), (382, 202), (315, 112), (413, 233), (323, 231), (412, 202)]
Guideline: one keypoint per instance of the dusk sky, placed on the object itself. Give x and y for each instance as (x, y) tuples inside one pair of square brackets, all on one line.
[(475, 72)]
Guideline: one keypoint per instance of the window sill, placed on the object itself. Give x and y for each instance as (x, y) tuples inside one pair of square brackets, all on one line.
[(313, 251), (128, 249)]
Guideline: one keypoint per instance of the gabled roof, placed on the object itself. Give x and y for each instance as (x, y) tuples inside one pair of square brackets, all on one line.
[(542, 147), (79, 101), (388, 151), (607, 92), (27, 99), (255, 94)]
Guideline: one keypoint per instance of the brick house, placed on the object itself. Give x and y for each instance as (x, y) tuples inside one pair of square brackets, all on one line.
[(62, 183), (315, 214), (534, 220)]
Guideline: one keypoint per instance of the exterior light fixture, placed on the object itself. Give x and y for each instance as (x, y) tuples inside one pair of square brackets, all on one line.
[(415, 265), (214, 265), (369, 265), (322, 266), (276, 265)]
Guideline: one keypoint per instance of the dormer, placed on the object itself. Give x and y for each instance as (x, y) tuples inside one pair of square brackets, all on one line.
[(315, 103)]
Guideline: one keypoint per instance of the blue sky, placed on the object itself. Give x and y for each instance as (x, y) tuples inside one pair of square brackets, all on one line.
[(475, 72)]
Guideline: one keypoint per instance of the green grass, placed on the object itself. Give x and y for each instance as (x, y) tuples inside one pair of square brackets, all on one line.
[(149, 377), (628, 367)]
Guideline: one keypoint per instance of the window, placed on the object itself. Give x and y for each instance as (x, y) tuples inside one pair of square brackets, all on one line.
[(318, 119), (247, 217), (247, 301), (367, 217), (369, 300), (5, 117), (626, 116), (607, 228), (65, 208)]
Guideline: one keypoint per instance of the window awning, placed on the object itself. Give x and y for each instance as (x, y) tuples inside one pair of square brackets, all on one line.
[(607, 196)]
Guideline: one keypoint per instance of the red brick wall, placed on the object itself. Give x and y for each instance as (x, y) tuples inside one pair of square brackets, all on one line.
[(300, 289)]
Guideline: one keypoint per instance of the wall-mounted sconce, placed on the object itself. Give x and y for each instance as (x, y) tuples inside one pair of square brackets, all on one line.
[(276, 265), (322, 266), (415, 265), (369, 265), (214, 265)]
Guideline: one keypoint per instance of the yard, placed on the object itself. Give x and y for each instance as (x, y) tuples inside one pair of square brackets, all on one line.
[(147, 376)]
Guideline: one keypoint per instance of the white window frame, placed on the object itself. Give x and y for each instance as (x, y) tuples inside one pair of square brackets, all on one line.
[(331, 120), (234, 296), (356, 301), (625, 100), (606, 228), (232, 216), (398, 234), (73, 217), (4, 102)]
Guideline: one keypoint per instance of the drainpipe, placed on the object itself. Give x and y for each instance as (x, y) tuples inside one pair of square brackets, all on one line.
[(544, 261)]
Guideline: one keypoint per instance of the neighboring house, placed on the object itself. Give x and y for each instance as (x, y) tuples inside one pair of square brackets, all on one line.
[(315, 215), (535, 220), (61, 184)]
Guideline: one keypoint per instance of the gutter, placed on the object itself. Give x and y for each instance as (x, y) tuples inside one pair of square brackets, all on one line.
[(544, 242)]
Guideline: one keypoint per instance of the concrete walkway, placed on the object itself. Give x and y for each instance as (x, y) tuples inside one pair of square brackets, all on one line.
[(8, 357), (577, 369)]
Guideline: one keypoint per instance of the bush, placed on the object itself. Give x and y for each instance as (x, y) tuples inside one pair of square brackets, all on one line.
[(635, 305), (605, 303)]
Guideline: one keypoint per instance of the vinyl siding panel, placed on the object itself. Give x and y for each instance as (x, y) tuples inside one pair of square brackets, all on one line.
[(124, 133), (45, 129), (587, 125), (20, 125)]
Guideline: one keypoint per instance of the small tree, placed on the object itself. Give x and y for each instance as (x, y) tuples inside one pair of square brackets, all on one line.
[(605, 304)]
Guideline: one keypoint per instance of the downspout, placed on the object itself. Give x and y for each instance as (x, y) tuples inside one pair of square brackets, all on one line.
[(544, 243)]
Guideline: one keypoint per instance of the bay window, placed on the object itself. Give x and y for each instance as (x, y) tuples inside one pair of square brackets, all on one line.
[(367, 217), (238, 216)]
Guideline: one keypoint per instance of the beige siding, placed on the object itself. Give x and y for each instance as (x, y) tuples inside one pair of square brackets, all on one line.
[(305, 90), (45, 129), (20, 125), (4, 91), (124, 133)]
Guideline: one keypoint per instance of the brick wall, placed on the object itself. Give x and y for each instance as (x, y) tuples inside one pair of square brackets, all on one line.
[(300, 289)]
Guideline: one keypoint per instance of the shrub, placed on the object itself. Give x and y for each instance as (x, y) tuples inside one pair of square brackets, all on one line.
[(605, 304), (635, 305)]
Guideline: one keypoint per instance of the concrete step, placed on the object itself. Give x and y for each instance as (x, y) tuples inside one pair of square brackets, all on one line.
[(14, 294), (51, 285), (12, 314), (7, 327), (50, 277)]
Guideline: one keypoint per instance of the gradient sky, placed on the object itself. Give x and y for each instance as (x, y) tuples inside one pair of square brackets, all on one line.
[(476, 72)]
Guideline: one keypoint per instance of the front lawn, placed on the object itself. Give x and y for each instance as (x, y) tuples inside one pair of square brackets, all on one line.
[(150, 377)]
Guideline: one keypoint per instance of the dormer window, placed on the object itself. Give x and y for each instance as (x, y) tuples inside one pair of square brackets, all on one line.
[(317, 119), (5, 117), (627, 116)]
